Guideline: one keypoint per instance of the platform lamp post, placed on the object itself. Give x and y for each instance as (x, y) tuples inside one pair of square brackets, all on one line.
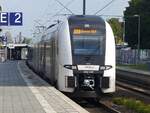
[(124, 29), (139, 39)]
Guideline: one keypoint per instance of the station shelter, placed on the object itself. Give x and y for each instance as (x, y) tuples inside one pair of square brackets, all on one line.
[(17, 51)]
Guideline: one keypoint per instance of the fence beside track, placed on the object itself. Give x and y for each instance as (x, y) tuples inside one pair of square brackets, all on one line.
[(132, 56)]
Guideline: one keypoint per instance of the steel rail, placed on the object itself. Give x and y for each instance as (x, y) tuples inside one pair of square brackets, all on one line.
[(133, 80), (108, 108), (136, 78)]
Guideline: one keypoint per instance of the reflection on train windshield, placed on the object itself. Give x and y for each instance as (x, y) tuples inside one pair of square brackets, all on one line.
[(87, 45)]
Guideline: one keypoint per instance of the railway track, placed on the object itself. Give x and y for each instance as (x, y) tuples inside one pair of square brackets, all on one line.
[(134, 88), (139, 79), (136, 83), (108, 108), (94, 106)]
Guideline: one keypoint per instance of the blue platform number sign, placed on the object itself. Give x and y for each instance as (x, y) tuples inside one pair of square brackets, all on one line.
[(4, 19), (11, 19)]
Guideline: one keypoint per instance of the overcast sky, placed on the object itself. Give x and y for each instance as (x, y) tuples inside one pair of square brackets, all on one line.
[(43, 10)]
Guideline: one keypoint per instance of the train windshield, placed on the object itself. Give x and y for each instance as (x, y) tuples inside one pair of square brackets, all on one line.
[(87, 41), (87, 35)]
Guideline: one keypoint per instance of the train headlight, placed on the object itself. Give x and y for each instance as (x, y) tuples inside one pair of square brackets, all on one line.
[(72, 67), (105, 67)]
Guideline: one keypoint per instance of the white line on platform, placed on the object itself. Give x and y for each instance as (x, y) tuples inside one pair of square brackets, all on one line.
[(47, 108)]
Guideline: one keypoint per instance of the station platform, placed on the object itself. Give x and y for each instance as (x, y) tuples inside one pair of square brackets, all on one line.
[(22, 91)]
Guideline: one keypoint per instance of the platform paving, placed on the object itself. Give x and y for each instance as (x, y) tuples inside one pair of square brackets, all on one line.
[(22, 91)]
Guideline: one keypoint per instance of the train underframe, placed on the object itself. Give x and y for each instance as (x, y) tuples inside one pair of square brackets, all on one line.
[(88, 85)]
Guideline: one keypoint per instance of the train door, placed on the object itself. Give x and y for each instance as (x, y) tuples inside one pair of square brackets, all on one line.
[(36, 57), (48, 59), (39, 57), (44, 57), (56, 56), (53, 61)]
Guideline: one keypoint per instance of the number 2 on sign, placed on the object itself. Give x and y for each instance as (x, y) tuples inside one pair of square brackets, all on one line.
[(18, 17)]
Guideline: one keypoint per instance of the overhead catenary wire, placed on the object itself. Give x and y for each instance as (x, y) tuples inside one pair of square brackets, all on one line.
[(64, 6), (70, 2), (37, 21), (104, 7), (58, 12)]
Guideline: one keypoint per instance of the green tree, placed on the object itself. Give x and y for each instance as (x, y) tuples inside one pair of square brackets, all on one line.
[(138, 7), (117, 29)]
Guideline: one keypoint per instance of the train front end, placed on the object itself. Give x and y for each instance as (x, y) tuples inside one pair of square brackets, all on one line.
[(90, 72)]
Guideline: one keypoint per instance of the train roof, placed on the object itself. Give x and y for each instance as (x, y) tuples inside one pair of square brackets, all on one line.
[(88, 18), (78, 18)]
